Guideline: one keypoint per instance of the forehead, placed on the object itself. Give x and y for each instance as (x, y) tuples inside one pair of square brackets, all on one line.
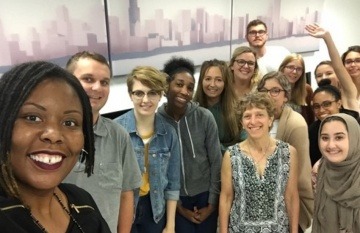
[(184, 77), (246, 56), (257, 27), (334, 127), (91, 66), (352, 55), (213, 70), (322, 96), (295, 62), (54, 90), (137, 85), (324, 68), (271, 83)]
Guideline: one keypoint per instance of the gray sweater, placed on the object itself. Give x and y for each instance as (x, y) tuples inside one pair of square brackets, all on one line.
[(200, 151)]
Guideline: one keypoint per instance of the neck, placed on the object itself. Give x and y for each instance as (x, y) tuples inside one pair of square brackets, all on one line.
[(259, 144), (212, 101), (95, 117), (145, 124), (242, 87), (260, 51), (174, 112)]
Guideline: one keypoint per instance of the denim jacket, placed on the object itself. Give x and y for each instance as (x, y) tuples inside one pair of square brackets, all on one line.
[(164, 160)]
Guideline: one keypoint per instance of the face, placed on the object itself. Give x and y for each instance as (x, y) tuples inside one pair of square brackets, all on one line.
[(144, 104), (280, 99), (256, 122), (213, 83), (352, 64), (293, 71), (47, 136), (257, 36), (334, 141), (244, 72), (95, 78), (327, 72), (181, 90), (321, 105)]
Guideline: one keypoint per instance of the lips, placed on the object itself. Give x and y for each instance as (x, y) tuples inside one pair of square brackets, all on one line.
[(47, 161)]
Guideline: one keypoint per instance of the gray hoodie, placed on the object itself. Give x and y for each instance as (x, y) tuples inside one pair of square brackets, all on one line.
[(200, 151)]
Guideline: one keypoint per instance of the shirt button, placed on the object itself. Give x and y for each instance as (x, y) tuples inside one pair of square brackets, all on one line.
[(154, 155)]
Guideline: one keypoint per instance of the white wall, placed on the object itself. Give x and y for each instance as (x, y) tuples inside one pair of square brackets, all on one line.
[(340, 17)]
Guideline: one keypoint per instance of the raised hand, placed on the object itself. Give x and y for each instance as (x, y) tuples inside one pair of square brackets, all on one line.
[(316, 31)]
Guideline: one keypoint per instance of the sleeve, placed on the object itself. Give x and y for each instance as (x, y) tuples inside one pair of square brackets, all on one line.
[(300, 140), (214, 154), (131, 171), (172, 190)]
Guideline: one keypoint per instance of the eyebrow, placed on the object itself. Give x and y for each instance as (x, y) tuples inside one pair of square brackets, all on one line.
[(44, 109)]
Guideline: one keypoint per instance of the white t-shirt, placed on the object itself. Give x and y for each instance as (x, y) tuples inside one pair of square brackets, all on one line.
[(272, 59)]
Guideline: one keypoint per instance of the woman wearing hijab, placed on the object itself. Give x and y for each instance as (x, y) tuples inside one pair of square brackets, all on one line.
[(337, 202)]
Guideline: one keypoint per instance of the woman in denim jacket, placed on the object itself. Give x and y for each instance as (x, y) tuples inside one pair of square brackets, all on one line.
[(157, 150)]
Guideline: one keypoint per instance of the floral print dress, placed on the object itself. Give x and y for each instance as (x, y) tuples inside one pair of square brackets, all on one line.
[(259, 204)]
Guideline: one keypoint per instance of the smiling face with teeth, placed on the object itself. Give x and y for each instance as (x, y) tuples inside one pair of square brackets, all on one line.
[(47, 135), (256, 121), (334, 141), (95, 79)]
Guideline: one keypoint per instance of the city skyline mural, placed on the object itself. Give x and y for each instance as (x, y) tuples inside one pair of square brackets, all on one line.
[(140, 32)]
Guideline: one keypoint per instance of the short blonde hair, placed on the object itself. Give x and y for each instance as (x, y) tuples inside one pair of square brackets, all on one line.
[(148, 76)]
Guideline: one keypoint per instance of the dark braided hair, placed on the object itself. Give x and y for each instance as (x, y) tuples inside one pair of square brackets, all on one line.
[(15, 87)]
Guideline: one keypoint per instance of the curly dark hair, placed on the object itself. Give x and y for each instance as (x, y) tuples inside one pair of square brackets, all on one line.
[(177, 65)]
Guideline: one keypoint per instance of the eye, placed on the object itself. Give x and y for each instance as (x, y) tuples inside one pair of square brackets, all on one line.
[(70, 123), (32, 118), (104, 83), (87, 79), (152, 93), (179, 84), (339, 138), (324, 138), (138, 93)]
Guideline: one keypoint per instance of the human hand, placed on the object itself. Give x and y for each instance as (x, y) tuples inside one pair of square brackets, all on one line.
[(316, 31), (203, 213), (188, 214), (314, 172)]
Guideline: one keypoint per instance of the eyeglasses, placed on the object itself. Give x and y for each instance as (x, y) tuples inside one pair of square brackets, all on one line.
[(356, 61), (151, 95), (273, 91), (254, 32), (292, 68), (325, 104), (242, 62)]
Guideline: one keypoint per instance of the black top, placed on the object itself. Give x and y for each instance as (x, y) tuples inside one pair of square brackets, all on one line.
[(15, 218), (315, 153)]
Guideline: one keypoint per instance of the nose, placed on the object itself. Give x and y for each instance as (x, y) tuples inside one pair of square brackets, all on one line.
[(212, 83), (96, 86), (323, 76), (52, 133), (145, 98), (185, 91)]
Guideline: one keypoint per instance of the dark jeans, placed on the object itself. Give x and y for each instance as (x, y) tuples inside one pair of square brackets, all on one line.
[(182, 225), (144, 221)]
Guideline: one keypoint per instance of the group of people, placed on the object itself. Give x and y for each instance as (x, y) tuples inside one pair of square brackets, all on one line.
[(234, 155)]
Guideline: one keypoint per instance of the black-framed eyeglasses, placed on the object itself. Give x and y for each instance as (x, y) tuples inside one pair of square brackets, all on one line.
[(242, 62), (151, 95), (292, 68), (325, 104), (356, 61), (273, 91), (254, 32)]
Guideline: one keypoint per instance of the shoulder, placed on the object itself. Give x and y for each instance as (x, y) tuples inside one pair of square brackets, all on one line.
[(294, 118), (112, 127)]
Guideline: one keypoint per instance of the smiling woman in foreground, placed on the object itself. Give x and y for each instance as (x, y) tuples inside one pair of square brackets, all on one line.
[(46, 124)]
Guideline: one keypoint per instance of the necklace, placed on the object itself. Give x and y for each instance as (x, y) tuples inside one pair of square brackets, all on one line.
[(37, 222), (257, 163)]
